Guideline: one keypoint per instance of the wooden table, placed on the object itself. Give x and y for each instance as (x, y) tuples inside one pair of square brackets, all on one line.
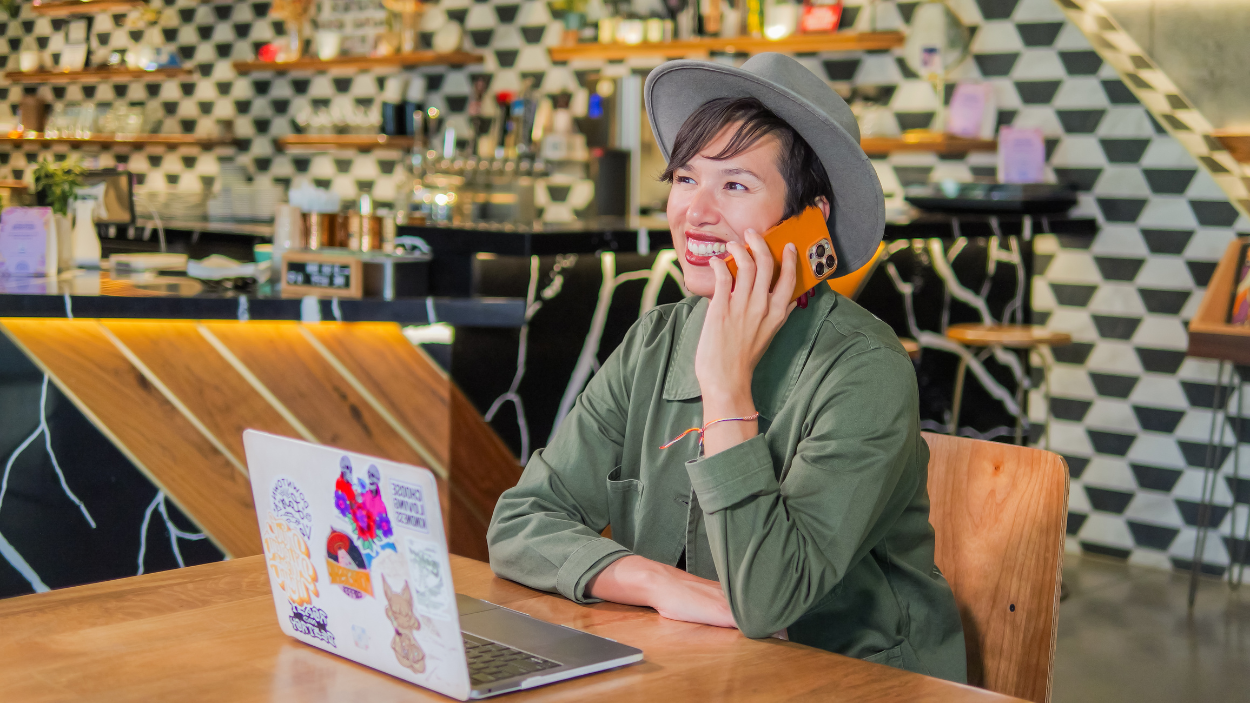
[(209, 633)]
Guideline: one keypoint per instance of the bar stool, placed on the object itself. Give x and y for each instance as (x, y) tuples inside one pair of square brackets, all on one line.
[(1021, 338), (911, 346)]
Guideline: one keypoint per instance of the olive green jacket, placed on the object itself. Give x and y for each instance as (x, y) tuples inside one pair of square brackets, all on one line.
[(819, 525)]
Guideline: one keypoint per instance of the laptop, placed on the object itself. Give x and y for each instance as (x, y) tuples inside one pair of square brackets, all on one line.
[(358, 566)]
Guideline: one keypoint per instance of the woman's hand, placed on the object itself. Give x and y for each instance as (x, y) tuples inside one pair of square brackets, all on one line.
[(743, 316), (675, 594)]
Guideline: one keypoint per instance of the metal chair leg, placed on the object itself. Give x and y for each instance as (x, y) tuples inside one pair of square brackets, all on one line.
[(958, 398), (1210, 473), (1022, 401)]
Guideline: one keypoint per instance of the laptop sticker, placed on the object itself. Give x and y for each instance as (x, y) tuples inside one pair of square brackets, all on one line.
[(365, 529), (400, 612), (429, 584), (409, 503), (287, 530)]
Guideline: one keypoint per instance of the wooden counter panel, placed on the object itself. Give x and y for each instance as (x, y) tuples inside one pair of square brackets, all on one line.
[(401, 378), (285, 363), (213, 391), (482, 467), (187, 640), (114, 395)]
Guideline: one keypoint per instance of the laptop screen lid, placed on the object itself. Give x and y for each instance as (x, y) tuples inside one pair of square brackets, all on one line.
[(357, 559)]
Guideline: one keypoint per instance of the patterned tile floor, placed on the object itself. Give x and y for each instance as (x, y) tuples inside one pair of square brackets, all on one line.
[(1125, 635)]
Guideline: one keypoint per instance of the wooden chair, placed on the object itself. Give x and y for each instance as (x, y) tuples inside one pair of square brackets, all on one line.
[(999, 512)]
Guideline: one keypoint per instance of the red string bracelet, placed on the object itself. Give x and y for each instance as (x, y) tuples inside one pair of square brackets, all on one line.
[(703, 429)]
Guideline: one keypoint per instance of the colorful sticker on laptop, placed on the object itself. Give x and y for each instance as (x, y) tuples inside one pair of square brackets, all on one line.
[(430, 586), (311, 621), (361, 512), (408, 501), (404, 621), (287, 502), (290, 561), (345, 566)]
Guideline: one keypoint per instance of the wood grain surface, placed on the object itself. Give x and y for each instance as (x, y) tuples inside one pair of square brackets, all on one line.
[(405, 381), (92, 372), (209, 633), (999, 512), (1014, 336), (279, 356), (482, 468), (177, 354)]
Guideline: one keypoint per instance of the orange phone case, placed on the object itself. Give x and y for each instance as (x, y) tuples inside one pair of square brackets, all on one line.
[(809, 233)]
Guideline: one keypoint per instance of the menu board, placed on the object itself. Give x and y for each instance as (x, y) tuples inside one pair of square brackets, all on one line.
[(312, 273)]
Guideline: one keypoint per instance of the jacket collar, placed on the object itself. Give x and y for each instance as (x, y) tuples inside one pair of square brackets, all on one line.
[(777, 371)]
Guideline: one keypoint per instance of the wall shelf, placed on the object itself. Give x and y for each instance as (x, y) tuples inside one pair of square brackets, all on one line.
[(136, 140), (934, 142), (329, 142), (797, 44), (1237, 143), (65, 8), (95, 74), (416, 58)]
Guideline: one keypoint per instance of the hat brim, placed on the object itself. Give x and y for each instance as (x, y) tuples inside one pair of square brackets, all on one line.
[(675, 89)]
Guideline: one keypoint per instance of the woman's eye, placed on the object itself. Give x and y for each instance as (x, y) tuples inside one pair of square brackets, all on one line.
[(734, 186), (685, 179)]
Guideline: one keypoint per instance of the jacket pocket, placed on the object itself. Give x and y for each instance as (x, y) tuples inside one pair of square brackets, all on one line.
[(900, 656), (623, 499)]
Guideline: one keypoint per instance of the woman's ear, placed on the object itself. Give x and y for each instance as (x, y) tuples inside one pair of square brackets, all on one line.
[(823, 203)]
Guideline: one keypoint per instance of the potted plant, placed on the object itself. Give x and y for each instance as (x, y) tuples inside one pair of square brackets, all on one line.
[(573, 14), (55, 187)]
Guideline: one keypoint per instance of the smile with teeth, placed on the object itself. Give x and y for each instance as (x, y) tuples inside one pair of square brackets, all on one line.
[(699, 248)]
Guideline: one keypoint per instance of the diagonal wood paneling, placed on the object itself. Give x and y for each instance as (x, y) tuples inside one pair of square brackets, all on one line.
[(408, 385), (211, 389), (310, 388), (94, 374), (411, 389)]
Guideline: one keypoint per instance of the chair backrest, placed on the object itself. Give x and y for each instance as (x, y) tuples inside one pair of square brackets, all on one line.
[(852, 283), (999, 512)]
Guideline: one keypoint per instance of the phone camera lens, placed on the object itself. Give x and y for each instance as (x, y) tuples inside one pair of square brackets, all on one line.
[(831, 262), (820, 269), (820, 251)]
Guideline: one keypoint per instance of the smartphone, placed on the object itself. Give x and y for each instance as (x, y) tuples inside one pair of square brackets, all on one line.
[(809, 232)]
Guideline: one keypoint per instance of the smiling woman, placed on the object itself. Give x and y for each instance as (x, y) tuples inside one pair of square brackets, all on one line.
[(802, 509), (736, 167)]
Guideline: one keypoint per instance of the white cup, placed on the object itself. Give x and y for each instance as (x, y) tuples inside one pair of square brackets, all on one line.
[(28, 61), (329, 44)]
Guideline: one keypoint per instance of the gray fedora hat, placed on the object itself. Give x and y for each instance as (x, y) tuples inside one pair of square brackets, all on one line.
[(674, 90)]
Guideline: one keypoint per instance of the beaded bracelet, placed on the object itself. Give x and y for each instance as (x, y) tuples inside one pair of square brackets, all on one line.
[(703, 429)]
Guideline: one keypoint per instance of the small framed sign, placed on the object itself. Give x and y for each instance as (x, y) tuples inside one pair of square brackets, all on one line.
[(321, 274)]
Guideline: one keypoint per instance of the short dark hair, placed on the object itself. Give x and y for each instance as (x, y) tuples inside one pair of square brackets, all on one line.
[(802, 172)]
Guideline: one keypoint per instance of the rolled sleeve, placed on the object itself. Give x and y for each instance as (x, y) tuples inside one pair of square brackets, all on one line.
[(733, 475), (583, 565)]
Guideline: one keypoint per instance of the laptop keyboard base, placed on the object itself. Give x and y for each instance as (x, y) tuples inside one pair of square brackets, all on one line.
[(490, 661)]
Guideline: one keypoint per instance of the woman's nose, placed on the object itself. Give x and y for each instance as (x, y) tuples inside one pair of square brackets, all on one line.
[(702, 209)]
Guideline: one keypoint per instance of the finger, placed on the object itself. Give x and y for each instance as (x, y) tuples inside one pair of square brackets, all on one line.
[(781, 294), (764, 267), (745, 280), (724, 283)]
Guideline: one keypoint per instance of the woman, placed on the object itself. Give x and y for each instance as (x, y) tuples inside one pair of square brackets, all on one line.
[(801, 508)]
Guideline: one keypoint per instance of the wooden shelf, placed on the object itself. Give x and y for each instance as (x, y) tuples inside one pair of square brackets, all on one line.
[(797, 44), (1211, 335), (136, 140), (927, 142), (89, 7), (1237, 143), (95, 74), (323, 142), (416, 58)]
